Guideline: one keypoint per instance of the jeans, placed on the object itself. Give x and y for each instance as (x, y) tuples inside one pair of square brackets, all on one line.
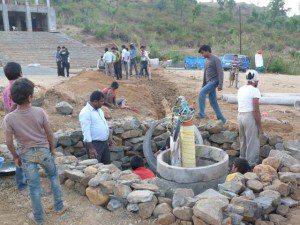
[(20, 179), (126, 68), (109, 69), (59, 69), (65, 65), (30, 161), (118, 69), (210, 89), (144, 66), (133, 64)]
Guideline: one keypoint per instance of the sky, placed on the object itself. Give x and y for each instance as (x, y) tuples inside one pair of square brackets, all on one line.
[(293, 4)]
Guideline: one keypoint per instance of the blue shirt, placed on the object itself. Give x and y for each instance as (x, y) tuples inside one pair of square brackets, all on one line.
[(132, 53), (57, 56), (93, 124)]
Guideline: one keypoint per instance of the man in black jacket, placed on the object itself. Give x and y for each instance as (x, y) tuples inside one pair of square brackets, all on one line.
[(64, 54)]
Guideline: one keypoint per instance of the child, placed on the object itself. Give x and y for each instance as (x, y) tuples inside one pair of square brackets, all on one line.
[(144, 61), (234, 71), (13, 71), (138, 167), (30, 126), (240, 166)]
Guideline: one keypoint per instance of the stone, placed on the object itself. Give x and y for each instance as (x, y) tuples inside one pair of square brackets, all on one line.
[(90, 171), (266, 178), (185, 222), (162, 137), (122, 190), (74, 175), (88, 162), (107, 112), (274, 195), (251, 176), (76, 136), (95, 181), (295, 168), (118, 130), (116, 153), (107, 187), (211, 194), (273, 162), (159, 129), (286, 159), (65, 160), (224, 136), (233, 153), (293, 147), (236, 219), (145, 186), (64, 108), (215, 126), (146, 208), (227, 146), (296, 194), (261, 222), (235, 209), (265, 169), (96, 197), (236, 146), (233, 186), (131, 134), (263, 139), (289, 177), (162, 208), (284, 169), (139, 196), (279, 146), (227, 221), (277, 219), (131, 178), (114, 205), (289, 202), (249, 194), (254, 185), (70, 184), (252, 211), (117, 164), (198, 221), (275, 139), (210, 211), (265, 203), (165, 200), (131, 123), (282, 210), (183, 213), (82, 185), (265, 151), (283, 188), (180, 195), (166, 219), (132, 207), (228, 194)]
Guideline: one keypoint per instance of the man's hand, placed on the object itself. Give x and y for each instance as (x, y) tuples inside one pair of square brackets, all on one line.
[(18, 162), (93, 152), (220, 89), (52, 151)]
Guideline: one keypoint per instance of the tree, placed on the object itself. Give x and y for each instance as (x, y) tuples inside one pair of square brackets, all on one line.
[(276, 8), (180, 5), (196, 11), (161, 5), (221, 4), (230, 4)]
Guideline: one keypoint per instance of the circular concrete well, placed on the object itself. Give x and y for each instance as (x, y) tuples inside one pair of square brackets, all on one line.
[(211, 169)]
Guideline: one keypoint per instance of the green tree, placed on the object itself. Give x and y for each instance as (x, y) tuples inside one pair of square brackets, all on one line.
[(276, 8), (196, 11), (221, 4), (230, 4), (161, 5)]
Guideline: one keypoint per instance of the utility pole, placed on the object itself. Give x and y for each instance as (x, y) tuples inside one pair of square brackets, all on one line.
[(240, 19)]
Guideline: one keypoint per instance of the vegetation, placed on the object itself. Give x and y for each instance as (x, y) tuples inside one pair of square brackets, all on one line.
[(172, 27)]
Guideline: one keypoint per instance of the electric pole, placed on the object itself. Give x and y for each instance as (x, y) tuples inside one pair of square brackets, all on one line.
[(240, 19)]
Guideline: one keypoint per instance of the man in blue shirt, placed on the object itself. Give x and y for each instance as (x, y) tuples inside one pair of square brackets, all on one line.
[(133, 60), (95, 129)]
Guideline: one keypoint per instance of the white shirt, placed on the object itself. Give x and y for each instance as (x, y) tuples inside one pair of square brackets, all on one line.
[(259, 61), (246, 94), (93, 124), (108, 57), (145, 56), (125, 55)]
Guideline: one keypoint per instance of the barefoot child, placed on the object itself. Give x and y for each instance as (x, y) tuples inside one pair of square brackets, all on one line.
[(31, 128)]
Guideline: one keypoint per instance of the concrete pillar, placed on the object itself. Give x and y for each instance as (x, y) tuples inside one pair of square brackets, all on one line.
[(51, 20), (18, 23), (5, 16), (48, 3), (37, 2), (28, 17)]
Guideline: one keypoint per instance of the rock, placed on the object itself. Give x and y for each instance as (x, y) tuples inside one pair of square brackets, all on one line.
[(132, 207), (236, 219), (145, 186), (227, 221), (261, 222), (235, 209), (215, 126), (185, 222), (294, 148), (273, 162), (107, 112), (277, 219), (236, 146), (265, 169), (183, 213), (82, 185), (162, 137), (286, 159), (210, 211), (90, 171), (114, 205), (165, 200), (227, 146), (228, 194), (162, 208), (74, 175), (274, 140), (233, 153), (116, 153), (263, 139), (224, 136), (140, 196), (289, 202), (265, 151), (296, 194), (96, 197), (210, 194), (282, 210), (131, 123), (146, 208), (198, 221), (166, 219), (232, 186), (98, 179), (63, 139), (107, 187), (265, 203), (159, 129), (131, 178), (254, 185), (282, 188), (65, 160), (70, 184), (131, 134), (251, 176), (251, 209), (279, 146), (64, 108), (122, 190), (295, 168), (274, 195), (249, 194), (88, 162), (180, 195), (118, 130), (284, 169), (289, 177)]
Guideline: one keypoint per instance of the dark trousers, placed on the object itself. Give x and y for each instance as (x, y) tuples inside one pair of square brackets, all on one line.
[(65, 66), (144, 66), (118, 69), (59, 69), (102, 149), (133, 64)]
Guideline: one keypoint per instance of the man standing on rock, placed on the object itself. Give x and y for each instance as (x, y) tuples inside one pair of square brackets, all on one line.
[(249, 119), (213, 79), (95, 129)]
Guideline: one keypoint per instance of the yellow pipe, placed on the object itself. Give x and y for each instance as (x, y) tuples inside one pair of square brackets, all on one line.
[(188, 153)]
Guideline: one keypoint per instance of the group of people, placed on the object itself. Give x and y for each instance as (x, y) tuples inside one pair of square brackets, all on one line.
[(113, 61), (62, 57)]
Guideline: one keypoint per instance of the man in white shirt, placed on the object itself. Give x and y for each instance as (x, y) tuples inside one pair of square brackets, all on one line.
[(108, 59), (95, 129), (125, 59), (249, 119)]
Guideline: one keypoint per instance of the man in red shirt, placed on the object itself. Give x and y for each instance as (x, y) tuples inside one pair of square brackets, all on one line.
[(138, 167)]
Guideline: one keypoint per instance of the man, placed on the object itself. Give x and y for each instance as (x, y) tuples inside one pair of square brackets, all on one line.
[(100, 64), (249, 119), (213, 79), (95, 129), (108, 60), (110, 96), (234, 72), (117, 63), (125, 59), (58, 61), (31, 128), (64, 54), (145, 61), (133, 62)]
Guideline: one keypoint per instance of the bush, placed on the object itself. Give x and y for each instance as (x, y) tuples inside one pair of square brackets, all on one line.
[(277, 65)]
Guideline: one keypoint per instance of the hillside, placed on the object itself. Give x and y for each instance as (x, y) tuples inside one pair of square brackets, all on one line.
[(174, 28)]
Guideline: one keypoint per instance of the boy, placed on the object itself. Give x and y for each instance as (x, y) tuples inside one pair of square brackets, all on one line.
[(32, 131), (239, 166), (138, 167), (13, 71), (234, 72), (110, 96)]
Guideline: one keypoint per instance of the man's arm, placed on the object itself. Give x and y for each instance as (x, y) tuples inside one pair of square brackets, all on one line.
[(256, 113), (50, 137), (9, 137), (220, 73), (85, 122)]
